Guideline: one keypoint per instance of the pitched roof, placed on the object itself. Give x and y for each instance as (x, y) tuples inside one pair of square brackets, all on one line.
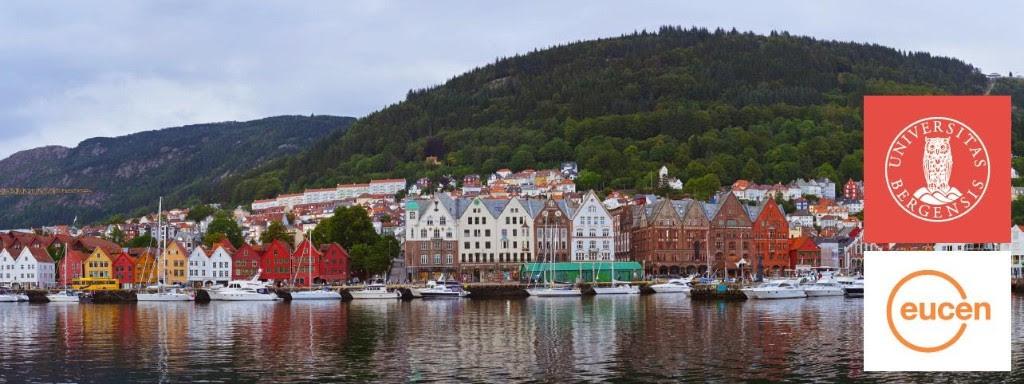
[(41, 255), (91, 243)]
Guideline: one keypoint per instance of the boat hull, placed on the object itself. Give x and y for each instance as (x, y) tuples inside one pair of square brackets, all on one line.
[(853, 291), (243, 296), (163, 297), (627, 290), (823, 292), (316, 295), (774, 294), (668, 288), (546, 292), (8, 299), (62, 298), (366, 295), (443, 295)]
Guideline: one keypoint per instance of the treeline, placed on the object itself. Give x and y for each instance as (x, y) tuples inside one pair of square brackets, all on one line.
[(709, 104)]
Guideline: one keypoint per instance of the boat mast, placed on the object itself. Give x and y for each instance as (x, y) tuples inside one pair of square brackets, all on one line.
[(161, 274)]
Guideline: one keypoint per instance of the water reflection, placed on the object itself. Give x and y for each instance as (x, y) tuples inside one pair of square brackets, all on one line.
[(618, 338)]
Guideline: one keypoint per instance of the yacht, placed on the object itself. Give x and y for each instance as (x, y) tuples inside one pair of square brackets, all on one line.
[(823, 287), (553, 291), (375, 290), (65, 296), (672, 286), (9, 296), (444, 289), (174, 294), (853, 287), (244, 290), (618, 288), (324, 293), (775, 290)]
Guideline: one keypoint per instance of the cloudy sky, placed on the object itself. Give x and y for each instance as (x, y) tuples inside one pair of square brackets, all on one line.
[(79, 69)]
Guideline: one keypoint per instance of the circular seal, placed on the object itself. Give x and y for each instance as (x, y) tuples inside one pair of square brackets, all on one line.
[(937, 169)]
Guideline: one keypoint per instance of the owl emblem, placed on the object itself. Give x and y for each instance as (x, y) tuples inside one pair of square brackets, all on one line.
[(937, 166)]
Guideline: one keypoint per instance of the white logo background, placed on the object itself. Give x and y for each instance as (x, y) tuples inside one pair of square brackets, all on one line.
[(984, 346)]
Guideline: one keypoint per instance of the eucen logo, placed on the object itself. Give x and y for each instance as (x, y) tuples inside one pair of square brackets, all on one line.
[(939, 159), (942, 311)]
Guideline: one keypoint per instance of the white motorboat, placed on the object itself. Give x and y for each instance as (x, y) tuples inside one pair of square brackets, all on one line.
[(567, 291), (618, 288), (775, 290), (175, 294), (672, 286), (852, 287), (244, 290), (9, 296), (319, 294), (375, 291), (65, 296), (444, 289), (823, 287)]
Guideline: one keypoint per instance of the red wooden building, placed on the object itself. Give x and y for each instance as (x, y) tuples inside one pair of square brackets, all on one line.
[(334, 264), (771, 239), (804, 252), (245, 262), (276, 261), (124, 269), (70, 267), (306, 262)]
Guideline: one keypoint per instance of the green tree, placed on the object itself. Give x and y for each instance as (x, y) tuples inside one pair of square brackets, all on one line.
[(224, 225), (276, 231), (116, 235), (703, 187), (752, 171), (349, 226), (144, 240), (1017, 210), (199, 212), (588, 179)]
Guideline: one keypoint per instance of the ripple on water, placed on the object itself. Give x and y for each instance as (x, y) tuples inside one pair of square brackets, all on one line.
[(618, 338)]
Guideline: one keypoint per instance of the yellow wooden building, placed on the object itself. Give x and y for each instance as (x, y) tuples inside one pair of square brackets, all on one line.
[(176, 263), (145, 266), (98, 264)]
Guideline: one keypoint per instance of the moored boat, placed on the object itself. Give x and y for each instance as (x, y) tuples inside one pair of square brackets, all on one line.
[(9, 296), (672, 286), (174, 294), (567, 291), (375, 290), (775, 290), (853, 287), (618, 288), (444, 289), (823, 287), (244, 290), (319, 294), (65, 296)]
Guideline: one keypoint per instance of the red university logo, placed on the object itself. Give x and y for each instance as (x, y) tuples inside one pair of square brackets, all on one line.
[(936, 169)]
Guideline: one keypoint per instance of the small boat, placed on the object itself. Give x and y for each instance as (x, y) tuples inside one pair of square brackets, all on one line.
[(320, 294), (174, 294), (567, 291), (444, 289), (618, 288), (65, 296), (375, 290), (672, 286), (775, 290), (244, 290), (823, 287)]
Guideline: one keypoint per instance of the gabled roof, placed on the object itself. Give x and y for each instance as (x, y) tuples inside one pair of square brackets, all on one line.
[(532, 206), (91, 243), (41, 255)]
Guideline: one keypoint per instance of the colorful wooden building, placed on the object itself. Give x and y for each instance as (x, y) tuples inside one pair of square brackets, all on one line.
[(175, 259), (124, 269), (99, 264)]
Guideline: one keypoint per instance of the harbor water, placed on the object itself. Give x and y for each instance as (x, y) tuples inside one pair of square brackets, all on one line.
[(649, 338)]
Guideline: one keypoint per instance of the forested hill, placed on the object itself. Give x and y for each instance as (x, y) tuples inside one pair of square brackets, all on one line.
[(709, 104), (128, 173)]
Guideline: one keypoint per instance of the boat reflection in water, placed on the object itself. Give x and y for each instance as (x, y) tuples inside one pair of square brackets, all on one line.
[(593, 338)]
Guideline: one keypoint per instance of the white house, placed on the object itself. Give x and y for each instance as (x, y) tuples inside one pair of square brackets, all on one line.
[(199, 266), (7, 264), (1017, 250), (34, 268), (386, 186), (593, 237), (514, 231), (220, 264)]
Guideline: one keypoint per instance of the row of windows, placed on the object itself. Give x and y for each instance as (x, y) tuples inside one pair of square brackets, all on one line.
[(489, 258), (448, 259)]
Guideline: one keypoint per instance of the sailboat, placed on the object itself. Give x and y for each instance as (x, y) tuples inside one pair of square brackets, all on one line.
[(551, 289), (66, 295), (325, 293), (617, 287), (175, 294)]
